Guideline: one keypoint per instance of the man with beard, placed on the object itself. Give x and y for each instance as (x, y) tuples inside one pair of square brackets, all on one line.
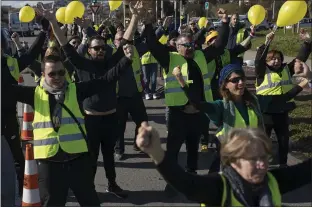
[(100, 109)]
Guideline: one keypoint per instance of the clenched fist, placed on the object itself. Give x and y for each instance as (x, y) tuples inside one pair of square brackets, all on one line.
[(15, 37)]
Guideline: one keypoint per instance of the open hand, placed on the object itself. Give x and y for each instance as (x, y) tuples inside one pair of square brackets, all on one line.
[(82, 22), (49, 14)]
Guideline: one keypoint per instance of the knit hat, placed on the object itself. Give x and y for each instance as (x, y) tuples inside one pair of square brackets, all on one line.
[(228, 70)]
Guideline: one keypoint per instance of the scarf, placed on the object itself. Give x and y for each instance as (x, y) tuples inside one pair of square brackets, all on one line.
[(59, 95), (250, 195)]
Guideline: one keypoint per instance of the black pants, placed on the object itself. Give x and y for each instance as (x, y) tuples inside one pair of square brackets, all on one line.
[(55, 179), (12, 135), (280, 124), (182, 128), (204, 139), (135, 106), (102, 130)]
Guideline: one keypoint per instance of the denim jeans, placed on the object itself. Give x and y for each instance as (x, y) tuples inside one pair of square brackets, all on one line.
[(8, 175), (150, 76)]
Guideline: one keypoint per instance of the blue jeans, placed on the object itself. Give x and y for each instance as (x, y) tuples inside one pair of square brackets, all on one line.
[(8, 175), (150, 75)]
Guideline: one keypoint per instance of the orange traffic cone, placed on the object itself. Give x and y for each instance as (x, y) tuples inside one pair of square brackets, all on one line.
[(27, 128), (20, 80), (31, 197)]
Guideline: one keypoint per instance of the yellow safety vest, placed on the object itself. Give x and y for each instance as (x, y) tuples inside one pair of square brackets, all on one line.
[(273, 186), (174, 95), (225, 59), (274, 84), (240, 38), (148, 58), (13, 66), (163, 39), (240, 122), (136, 67), (46, 140)]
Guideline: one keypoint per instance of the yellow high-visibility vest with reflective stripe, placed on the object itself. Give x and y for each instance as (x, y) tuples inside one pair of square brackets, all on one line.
[(274, 84), (233, 202), (240, 38), (240, 122), (136, 67), (148, 58), (46, 140), (13, 66), (174, 95), (225, 59)]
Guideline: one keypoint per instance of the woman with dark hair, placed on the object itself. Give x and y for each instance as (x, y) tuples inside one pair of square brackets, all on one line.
[(239, 108), (274, 77)]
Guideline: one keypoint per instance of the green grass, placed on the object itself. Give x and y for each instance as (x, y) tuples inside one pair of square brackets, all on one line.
[(301, 127), (288, 43)]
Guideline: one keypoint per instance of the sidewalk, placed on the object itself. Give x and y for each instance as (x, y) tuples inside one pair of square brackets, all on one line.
[(250, 55)]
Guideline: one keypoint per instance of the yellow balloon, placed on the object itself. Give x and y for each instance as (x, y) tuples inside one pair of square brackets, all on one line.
[(113, 5), (202, 22), (256, 14), (26, 14), (60, 15), (291, 13), (74, 9)]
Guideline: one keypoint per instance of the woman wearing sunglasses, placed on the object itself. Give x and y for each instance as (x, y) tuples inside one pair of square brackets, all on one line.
[(239, 108)]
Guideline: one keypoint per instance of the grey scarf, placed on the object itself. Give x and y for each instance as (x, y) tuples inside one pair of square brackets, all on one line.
[(248, 194), (59, 95)]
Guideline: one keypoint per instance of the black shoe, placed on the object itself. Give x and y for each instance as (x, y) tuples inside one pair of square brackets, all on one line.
[(119, 157), (116, 190), (170, 191)]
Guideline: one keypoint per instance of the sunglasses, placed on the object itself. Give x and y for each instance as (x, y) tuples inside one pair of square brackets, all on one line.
[(188, 45), (237, 79), (60, 73), (97, 48)]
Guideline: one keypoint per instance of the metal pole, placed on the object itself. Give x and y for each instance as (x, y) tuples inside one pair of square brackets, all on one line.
[(162, 8), (124, 12), (175, 15), (181, 13), (156, 9), (273, 10)]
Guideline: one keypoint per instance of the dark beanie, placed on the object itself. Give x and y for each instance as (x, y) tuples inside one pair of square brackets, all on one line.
[(228, 70), (173, 34)]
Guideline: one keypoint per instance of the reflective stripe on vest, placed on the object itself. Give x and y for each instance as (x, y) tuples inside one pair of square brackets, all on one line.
[(13, 66), (148, 58), (240, 38), (240, 122), (233, 202), (46, 140), (274, 84), (136, 67), (174, 95)]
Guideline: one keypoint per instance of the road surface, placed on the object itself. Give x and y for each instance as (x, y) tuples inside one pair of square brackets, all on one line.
[(138, 175)]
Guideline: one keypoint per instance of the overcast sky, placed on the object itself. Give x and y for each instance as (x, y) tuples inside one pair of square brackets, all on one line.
[(18, 3)]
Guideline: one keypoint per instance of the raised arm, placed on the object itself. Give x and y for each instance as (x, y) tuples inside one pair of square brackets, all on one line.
[(260, 60)]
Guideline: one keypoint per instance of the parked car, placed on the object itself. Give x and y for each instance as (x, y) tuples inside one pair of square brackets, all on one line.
[(264, 25), (36, 26)]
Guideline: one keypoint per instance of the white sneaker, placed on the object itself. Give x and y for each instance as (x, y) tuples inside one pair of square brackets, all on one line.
[(155, 96), (148, 97)]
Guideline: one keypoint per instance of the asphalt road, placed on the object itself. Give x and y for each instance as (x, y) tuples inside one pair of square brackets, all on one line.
[(138, 176)]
